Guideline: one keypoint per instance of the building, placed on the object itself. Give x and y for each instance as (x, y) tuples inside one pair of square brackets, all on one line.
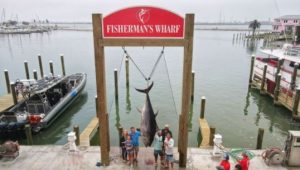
[(286, 23)]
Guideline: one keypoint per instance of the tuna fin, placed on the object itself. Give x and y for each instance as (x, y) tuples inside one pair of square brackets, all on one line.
[(156, 114), (145, 90), (139, 110)]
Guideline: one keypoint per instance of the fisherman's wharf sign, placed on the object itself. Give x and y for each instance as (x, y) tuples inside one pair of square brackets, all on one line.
[(143, 21)]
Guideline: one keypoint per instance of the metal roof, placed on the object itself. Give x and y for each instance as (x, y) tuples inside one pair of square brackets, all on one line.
[(289, 17)]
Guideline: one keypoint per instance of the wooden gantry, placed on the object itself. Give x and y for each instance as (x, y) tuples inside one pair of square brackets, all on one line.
[(100, 42)]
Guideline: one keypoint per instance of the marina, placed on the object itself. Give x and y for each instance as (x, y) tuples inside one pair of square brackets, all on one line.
[(149, 79)]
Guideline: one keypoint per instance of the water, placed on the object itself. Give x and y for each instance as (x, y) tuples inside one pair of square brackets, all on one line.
[(222, 71)]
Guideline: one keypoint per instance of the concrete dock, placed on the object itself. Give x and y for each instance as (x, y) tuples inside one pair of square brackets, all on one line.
[(48, 157)]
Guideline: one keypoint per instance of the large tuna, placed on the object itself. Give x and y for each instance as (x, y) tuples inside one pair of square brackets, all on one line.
[(148, 122)]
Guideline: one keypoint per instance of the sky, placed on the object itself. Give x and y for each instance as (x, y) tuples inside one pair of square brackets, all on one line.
[(204, 10)]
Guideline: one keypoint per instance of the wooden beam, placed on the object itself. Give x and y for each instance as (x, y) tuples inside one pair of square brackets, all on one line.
[(101, 88), (142, 42), (186, 88)]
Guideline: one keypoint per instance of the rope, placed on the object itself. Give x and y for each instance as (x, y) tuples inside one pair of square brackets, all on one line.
[(170, 86), (153, 69)]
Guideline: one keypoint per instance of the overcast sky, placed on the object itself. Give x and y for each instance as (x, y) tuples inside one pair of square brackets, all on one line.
[(205, 10)]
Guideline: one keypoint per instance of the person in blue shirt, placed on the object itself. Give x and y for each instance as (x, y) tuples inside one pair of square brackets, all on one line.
[(135, 141)]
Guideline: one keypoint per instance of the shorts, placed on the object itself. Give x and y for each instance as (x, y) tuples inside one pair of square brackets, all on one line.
[(158, 152), (136, 149), (169, 158)]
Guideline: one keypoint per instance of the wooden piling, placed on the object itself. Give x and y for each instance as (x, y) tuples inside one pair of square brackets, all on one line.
[(7, 80), (296, 102), (96, 104), (41, 66), (26, 69), (28, 134), (193, 86), (13, 92), (211, 135), (294, 76), (263, 81), (277, 89), (51, 67), (260, 137), (62, 64), (202, 109), (76, 130), (251, 70), (116, 84), (35, 75), (279, 64), (127, 72)]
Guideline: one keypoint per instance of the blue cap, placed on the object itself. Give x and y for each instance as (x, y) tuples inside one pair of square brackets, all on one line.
[(226, 156)]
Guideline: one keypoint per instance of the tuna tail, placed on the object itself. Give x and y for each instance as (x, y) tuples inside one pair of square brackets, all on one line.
[(145, 90)]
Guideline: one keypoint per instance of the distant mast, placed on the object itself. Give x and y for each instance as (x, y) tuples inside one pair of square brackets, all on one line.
[(3, 16)]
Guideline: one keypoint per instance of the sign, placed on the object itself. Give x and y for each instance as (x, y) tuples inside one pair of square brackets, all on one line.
[(143, 21)]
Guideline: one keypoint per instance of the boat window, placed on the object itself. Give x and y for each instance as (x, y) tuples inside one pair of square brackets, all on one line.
[(31, 108), (292, 63), (40, 108)]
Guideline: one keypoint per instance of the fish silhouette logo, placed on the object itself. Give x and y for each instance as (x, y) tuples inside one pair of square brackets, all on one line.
[(143, 15)]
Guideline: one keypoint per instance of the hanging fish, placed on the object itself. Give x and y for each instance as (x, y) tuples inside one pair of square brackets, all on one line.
[(148, 122)]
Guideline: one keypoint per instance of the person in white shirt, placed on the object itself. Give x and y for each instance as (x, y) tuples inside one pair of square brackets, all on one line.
[(169, 144)]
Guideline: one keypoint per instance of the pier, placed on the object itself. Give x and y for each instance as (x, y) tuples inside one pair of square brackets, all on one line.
[(59, 157)]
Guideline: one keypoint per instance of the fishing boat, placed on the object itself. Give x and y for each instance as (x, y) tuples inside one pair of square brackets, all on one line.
[(44, 101), (283, 63)]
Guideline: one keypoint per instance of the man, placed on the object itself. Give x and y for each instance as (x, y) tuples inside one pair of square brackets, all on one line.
[(245, 161), (225, 162), (135, 141), (158, 143)]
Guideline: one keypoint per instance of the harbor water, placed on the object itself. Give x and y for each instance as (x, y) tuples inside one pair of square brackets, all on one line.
[(221, 68)]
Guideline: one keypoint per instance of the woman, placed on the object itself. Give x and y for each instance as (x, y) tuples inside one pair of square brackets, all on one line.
[(169, 144), (122, 144)]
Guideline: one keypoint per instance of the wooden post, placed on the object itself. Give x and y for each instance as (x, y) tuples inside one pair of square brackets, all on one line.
[(28, 134), (251, 70), (263, 81), (51, 67), (7, 80), (101, 88), (211, 135), (260, 137), (279, 64), (13, 92), (296, 102), (116, 84), (41, 66), (186, 87), (294, 76), (62, 64), (202, 110), (127, 71), (96, 104), (26, 69), (277, 89), (76, 130), (35, 75), (193, 86)]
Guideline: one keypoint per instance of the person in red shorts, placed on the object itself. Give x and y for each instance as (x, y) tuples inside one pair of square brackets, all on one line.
[(244, 162)]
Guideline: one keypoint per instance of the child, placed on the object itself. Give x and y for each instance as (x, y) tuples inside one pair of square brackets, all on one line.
[(169, 143), (129, 150)]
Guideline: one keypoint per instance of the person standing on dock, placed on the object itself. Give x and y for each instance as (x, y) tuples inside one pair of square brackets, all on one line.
[(122, 144), (245, 161), (225, 162), (164, 134), (158, 143), (129, 150), (169, 144), (135, 134)]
